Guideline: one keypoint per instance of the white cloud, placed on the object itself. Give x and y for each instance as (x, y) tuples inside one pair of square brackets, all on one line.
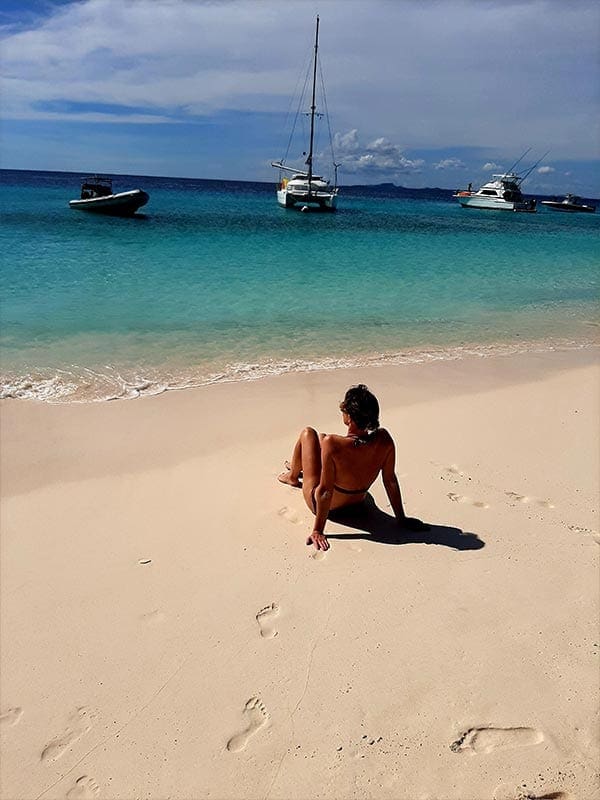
[(164, 55), (189, 57), (346, 143), (377, 158), (450, 163), (151, 61), (545, 170)]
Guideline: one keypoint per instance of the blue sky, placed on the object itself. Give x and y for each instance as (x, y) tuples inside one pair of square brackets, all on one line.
[(420, 92)]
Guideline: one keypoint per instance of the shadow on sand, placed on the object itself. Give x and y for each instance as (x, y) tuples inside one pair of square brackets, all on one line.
[(375, 525)]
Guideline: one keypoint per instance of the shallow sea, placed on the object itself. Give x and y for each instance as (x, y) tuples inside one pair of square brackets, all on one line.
[(214, 282)]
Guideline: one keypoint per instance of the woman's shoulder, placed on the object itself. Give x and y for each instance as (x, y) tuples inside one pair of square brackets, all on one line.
[(384, 436), (333, 439)]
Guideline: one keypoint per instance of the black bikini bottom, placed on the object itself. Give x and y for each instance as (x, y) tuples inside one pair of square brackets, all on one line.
[(341, 491)]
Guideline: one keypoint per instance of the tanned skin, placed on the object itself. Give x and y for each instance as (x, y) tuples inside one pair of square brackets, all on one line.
[(325, 461)]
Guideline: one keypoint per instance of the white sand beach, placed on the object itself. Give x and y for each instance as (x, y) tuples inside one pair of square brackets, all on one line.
[(166, 633)]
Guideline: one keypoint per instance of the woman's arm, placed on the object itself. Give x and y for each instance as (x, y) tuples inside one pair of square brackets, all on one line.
[(392, 489), (323, 495), (390, 482)]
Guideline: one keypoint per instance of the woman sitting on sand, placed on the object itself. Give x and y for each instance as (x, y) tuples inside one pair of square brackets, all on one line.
[(335, 471)]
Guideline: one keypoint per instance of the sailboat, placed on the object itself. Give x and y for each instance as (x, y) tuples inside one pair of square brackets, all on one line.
[(304, 189)]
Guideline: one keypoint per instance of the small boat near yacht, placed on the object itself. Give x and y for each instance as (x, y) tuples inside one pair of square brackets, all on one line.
[(304, 189), (570, 203), (502, 193), (97, 196)]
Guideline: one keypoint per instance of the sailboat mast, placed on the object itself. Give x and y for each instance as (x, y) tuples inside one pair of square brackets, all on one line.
[(313, 108)]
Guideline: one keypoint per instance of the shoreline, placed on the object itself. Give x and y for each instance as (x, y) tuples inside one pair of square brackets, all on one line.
[(166, 632), (90, 385), (117, 452)]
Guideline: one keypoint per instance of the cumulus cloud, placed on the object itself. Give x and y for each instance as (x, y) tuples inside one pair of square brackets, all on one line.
[(450, 163), (545, 170), (490, 165), (347, 143), (377, 158)]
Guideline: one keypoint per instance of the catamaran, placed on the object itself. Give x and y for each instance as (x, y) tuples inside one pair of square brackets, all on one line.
[(304, 189)]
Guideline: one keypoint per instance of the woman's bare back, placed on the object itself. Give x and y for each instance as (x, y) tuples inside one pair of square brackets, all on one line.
[(357, 463)]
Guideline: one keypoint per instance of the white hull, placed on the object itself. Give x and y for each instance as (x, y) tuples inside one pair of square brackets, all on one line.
[(322, 201), (123, 204), (492, 203)]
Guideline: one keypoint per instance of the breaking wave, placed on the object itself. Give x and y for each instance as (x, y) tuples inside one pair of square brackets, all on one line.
[(86, 385)]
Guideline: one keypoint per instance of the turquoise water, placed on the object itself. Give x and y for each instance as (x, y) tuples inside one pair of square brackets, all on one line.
[(215, 282)]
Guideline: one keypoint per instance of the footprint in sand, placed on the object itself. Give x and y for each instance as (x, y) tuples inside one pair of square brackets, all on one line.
[(580, 529), (454, 471), (318, 555), (265, 619), (85, 789), (460, 498), (257, 717), (80, 722), (523, 498), (503, 792), (11, 717), (290, 515), (485, 740)]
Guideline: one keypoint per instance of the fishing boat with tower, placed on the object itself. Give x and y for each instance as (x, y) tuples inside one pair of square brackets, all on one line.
[(502, 193), (303, 188)]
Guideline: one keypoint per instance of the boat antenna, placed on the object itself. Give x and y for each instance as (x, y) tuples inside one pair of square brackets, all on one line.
[(517, 161), (335, 168), (530, 170), (313, 107)]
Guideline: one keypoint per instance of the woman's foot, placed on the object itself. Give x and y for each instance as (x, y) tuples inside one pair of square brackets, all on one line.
[(286, 477), (288, 466)]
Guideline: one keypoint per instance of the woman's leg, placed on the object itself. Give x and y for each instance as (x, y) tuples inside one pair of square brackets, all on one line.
[(306, 460)]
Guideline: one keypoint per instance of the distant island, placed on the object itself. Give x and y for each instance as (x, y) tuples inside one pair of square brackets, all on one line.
[(390, 189)]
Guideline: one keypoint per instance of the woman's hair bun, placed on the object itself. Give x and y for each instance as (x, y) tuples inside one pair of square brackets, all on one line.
[(362, 407)]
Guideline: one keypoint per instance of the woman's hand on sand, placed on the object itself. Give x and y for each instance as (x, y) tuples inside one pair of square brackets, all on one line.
[(319, 540)]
